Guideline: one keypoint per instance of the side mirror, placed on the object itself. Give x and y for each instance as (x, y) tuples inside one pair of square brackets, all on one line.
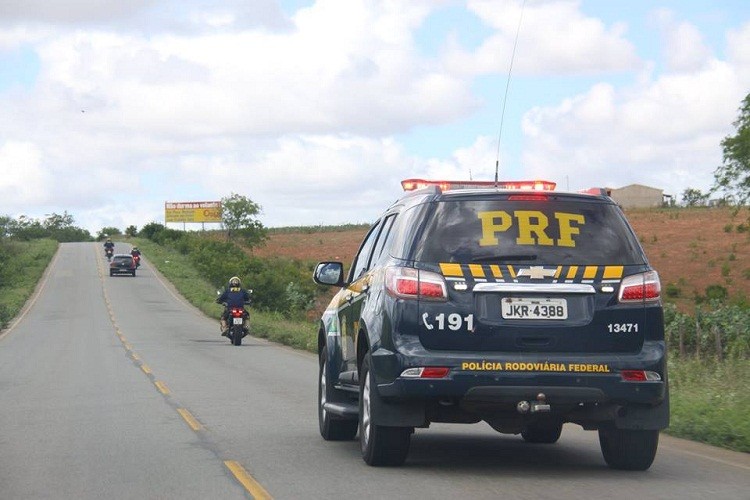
[(218, 292), (329, 273)]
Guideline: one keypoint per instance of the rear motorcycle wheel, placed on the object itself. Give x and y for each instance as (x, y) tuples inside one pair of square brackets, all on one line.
[(237, 335)]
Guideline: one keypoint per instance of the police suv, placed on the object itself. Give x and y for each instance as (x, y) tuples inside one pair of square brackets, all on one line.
[(504, 302)]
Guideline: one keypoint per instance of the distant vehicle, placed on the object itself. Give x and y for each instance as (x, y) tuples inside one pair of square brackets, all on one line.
[(122, 264), (108, 252), (504, 302)]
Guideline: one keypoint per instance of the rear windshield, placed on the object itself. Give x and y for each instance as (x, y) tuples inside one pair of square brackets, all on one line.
[(546, 231), (124, 258)]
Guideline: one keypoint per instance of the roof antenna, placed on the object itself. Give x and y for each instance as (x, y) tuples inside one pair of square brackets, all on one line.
[(505, 98)]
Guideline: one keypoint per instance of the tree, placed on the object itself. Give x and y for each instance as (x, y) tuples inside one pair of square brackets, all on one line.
[(56, 222), (107, 232), (238, 213), (694, 198), (131, 231), (733, 176)]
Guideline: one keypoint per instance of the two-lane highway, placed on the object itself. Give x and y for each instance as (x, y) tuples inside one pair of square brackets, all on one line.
[(114, 387)]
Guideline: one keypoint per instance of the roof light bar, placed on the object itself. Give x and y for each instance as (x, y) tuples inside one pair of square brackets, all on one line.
[(445, 185)]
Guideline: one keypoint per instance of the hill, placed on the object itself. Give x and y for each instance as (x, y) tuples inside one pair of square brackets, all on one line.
[(691, 248)]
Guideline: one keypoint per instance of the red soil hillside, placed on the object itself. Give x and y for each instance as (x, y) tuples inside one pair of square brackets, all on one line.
[(690, 248)]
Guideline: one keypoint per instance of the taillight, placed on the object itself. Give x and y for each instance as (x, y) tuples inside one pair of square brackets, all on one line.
[(237, 313), (409, 283), (426, 372), (644, 287), (639, 376)]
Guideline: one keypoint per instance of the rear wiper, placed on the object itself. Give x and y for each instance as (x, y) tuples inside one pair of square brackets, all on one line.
[(503, 258)]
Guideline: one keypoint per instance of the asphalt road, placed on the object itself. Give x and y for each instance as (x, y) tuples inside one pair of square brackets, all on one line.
[(114, 387)]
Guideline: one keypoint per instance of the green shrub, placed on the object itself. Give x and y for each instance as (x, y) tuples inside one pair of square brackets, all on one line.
[(673, 291)]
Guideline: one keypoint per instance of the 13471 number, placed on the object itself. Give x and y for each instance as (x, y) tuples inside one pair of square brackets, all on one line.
[(623, 327)]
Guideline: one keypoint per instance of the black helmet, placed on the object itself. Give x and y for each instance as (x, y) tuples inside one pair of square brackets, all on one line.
[(234, 282)]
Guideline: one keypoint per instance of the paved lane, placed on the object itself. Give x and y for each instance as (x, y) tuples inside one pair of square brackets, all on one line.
[(98, 408), (77, 418)]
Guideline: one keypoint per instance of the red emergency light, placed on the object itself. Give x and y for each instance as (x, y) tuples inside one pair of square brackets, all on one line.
[(444, 185)]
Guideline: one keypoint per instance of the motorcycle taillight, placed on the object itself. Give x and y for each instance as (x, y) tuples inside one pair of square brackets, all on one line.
[(237, 313)]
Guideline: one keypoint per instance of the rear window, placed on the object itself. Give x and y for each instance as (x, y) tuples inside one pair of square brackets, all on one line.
[(534, 231), (123, 258)]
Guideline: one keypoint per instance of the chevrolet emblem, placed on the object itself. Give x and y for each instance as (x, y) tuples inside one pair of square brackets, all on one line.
[(537, 272)]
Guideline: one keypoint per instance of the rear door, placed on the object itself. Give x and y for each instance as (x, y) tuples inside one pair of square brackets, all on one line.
[(531, 273)]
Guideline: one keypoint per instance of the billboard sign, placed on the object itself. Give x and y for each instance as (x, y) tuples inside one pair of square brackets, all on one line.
[(192, 211)]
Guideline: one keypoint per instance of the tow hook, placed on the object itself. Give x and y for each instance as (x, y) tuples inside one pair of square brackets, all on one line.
[(538, 406)]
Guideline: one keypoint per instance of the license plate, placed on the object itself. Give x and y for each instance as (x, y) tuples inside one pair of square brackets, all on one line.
[(524, 308), (237, 321)]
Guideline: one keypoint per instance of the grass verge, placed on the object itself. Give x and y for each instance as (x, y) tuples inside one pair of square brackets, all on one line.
[(710, 402), (22, 269), (178, 270)]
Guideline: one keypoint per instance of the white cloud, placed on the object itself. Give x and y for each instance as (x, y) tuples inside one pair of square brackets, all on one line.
[(23, 180), (664, 133), (554, 38), (684, 48), (302, 113)]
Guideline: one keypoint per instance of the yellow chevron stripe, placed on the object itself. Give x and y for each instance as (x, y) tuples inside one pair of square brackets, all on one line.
[(558, 272), (590, 272), (512, 272), (612, 272), (496, 272), (476, 270), (572, 272), (451, 269)]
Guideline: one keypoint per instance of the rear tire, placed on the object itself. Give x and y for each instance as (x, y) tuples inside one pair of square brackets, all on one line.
[(236, 336), (628, 449), (133, 274), (331, 428), (542, 432), (380, 445)]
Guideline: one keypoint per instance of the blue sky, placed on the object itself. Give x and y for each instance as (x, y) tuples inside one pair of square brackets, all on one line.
[(317, 109)]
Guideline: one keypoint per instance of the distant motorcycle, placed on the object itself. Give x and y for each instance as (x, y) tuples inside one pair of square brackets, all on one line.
[(237, 322), (137, 260), (108, 252)]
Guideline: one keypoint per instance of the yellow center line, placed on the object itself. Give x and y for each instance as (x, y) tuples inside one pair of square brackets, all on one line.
[(250, 484), (162, 387), (135, 356), (128, 346), (146, 369), (190, 419)]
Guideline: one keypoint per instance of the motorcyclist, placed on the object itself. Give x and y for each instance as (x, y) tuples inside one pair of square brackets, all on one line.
[(136, 256), (109, 247), (233, 296)]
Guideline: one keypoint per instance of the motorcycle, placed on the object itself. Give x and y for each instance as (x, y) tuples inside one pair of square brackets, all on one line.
[(108, 252), (137, 260), (237, 322), (237, 329)]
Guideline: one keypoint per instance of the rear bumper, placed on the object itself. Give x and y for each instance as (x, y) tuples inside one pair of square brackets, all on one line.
[(504, 379)]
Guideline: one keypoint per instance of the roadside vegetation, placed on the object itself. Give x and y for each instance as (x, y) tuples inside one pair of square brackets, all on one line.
[(26, 248)]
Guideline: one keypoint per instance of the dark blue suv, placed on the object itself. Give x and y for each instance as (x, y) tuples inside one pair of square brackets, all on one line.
[(509, 303)]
